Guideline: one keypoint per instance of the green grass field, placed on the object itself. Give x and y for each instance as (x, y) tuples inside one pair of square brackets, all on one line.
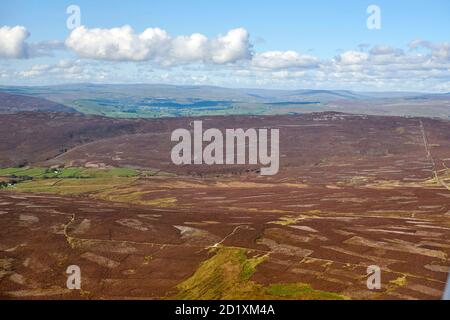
[(71, 186), (68, 180), (75, 173)]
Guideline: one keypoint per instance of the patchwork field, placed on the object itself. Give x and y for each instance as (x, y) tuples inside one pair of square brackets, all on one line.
[(352, 191)]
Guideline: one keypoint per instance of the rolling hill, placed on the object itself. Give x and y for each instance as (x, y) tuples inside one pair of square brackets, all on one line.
[(13, 103)]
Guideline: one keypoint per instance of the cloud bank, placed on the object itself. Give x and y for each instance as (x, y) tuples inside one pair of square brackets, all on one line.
[(227, 59), (123, 44)]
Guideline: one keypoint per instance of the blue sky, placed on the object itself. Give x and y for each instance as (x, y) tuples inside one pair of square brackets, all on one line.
[(320, 29)]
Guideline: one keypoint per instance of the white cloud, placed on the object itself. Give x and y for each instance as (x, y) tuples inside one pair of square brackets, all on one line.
[(287, 74), (116, 43), (123, 44), (352, 57), (442, 51), (284, 60), (35, 71), (45, 48), (417, 43), (189, 48), (385, 50), (425, 67), (12, 42), (233, 46), (4, 73), (227, 59), (63, 69), (438, 51)]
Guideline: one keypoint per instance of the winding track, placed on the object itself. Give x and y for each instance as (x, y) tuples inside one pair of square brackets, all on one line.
[(430, 157)]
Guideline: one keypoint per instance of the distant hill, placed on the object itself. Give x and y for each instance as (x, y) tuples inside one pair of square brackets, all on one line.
[(162, 100), (13, 103), (29, 137), (75, 140)]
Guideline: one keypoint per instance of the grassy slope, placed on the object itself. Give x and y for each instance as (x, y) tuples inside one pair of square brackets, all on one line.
[(70, 180), (227, 275), (47, 173), (113, 184), (71, 186)]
